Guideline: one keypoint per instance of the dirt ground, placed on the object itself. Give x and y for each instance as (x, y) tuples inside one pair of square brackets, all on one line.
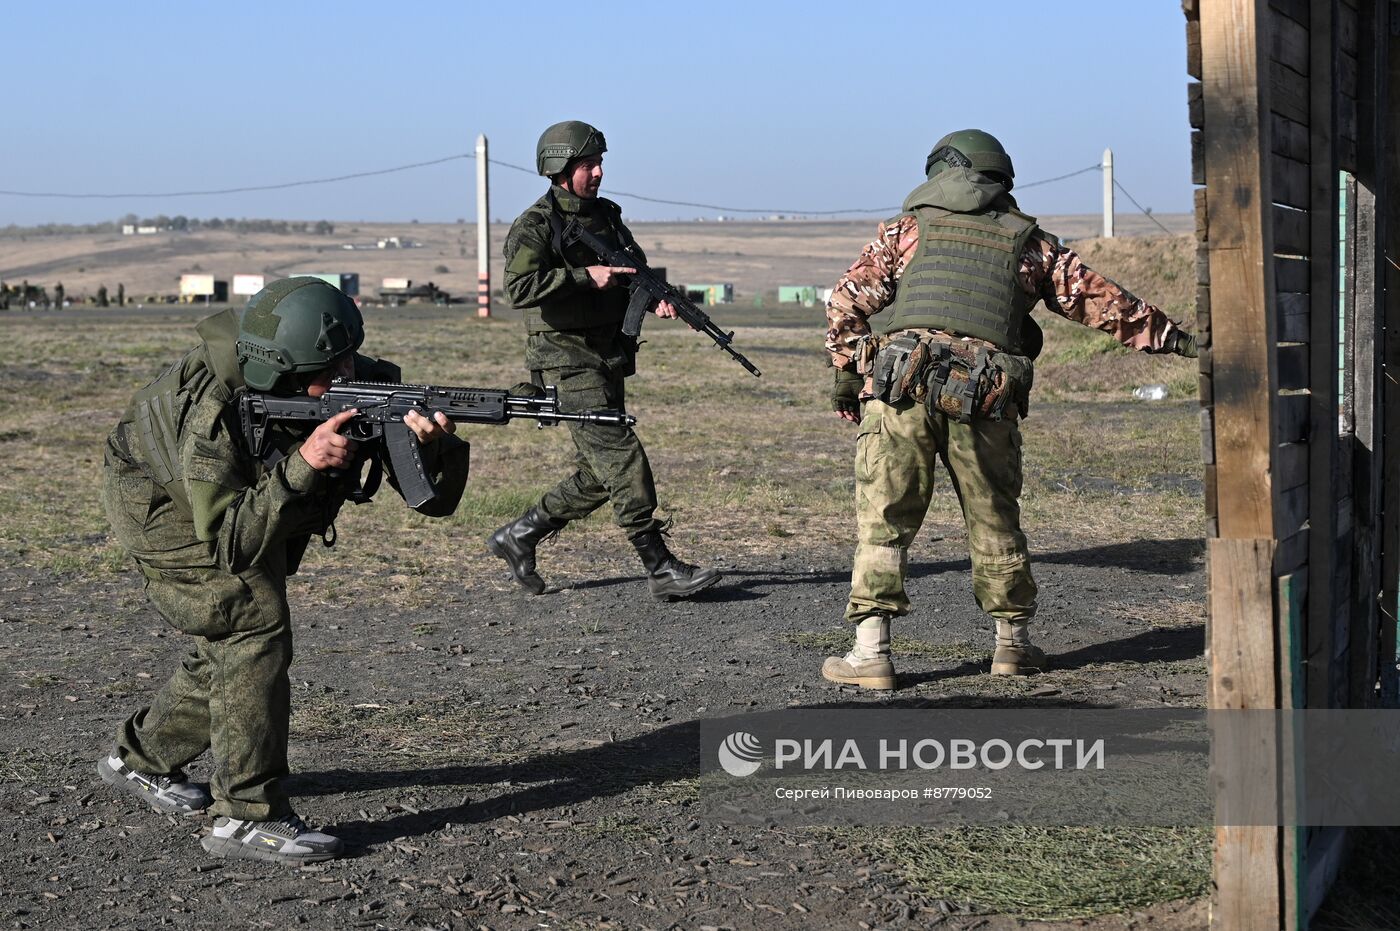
[(495, 760)]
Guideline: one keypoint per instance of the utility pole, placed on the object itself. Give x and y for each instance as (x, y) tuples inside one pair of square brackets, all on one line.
[(483, 231), (1107, 193)]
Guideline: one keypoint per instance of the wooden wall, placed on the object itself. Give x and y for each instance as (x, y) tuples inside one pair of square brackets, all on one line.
[(1294, 150)]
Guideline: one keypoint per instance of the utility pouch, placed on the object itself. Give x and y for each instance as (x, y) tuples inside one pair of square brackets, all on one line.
[(889, 382), (966, 384)]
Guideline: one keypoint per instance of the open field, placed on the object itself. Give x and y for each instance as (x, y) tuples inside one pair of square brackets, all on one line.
[(504, 761), (756, 257)]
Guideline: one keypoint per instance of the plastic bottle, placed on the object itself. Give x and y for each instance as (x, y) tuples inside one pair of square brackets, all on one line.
[(1150, 392)]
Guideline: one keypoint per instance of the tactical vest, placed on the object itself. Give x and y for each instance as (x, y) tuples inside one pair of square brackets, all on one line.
[(579, 310), (963, 277)]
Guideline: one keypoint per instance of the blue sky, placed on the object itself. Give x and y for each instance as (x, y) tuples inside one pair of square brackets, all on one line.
[(794, 106)]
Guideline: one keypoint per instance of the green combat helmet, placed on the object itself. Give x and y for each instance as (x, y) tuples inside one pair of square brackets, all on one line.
[(970, 148), (295, 325), (564, 142)]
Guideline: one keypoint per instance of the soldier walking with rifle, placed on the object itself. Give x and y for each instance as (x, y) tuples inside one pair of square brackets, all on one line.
[(575, 303)]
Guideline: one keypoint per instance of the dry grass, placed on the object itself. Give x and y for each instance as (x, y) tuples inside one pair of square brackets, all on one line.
[(1042, 874), (745, 466)]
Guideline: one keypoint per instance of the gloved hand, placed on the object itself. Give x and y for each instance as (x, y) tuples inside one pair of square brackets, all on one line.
[(526, 389), (845, 393), (1185, 345)]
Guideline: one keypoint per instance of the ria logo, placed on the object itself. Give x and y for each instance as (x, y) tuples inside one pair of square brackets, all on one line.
[(741, 754)]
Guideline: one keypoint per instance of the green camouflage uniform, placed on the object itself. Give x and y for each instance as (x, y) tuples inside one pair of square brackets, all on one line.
[(215, 535), (574, 341)]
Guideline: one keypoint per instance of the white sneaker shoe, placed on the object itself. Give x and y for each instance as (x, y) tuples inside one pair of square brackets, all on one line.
[(287, 840), (170, 794)]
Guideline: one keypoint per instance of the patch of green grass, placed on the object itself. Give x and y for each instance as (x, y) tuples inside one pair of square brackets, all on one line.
[(839, 641), (1051, 874)]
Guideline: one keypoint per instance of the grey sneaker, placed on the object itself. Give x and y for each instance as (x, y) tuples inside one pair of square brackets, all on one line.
[(170, 794), (287, 840)]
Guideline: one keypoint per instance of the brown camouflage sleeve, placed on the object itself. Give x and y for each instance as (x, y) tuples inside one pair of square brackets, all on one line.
[(1075, 291), (868, 287)]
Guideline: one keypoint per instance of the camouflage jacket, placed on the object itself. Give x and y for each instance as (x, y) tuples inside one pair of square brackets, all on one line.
[(549, 281), (198, 495), (1048, 270)]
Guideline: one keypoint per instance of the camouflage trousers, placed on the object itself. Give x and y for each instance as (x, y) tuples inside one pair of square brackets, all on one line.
[(895, 454), (610, 463), (230, 694)]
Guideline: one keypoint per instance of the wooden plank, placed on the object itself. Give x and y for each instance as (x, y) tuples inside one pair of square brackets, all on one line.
[(1198, 158), (1294, 415), (1292, 367), (1208, 435), (1289, 93), (1211, 502), (1293, 326), (1348, 31), (1195, 105), (1290, 138), (1290, 182), (1290, 231), (1365, 336), (1388, 311), (1323, 287), (1326, 853), (1292, 553), (1296, 10), (1290, 467), (1203, 316), (1291, 601), (1291, 275), (1291, 510), (1243, 654), (1290, 45), (1193, 48), (1347, 72), (1199, 205), (1203, 264), (1346, 134), (1204, 389)]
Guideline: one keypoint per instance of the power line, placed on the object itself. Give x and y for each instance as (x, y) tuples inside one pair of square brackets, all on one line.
[(243, 190), (1147, 213), (521, 168)]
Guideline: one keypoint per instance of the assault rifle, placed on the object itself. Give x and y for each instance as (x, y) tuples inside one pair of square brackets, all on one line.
[(382, 406), (648, 290)]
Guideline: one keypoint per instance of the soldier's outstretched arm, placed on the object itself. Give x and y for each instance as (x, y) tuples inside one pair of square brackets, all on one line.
[(1075, 291)]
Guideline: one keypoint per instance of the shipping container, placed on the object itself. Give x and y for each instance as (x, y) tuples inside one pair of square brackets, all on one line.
[(349, 282), (245, 285), (804, 294), (710, 293), (194, 287)]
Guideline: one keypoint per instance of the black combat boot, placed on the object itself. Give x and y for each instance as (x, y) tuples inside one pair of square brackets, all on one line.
[(667, 576), (516, 542)]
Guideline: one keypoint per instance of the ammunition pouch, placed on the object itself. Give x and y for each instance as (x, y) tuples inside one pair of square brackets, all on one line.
[(949, 376)]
